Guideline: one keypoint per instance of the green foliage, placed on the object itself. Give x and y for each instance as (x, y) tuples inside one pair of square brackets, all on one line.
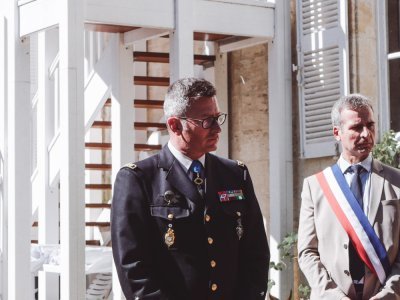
[(287, 246), (388, 150), (287, 253), (304, 291)]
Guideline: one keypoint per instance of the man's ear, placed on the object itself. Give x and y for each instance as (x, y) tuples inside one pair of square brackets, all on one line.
[(174, 125), (336, 131)]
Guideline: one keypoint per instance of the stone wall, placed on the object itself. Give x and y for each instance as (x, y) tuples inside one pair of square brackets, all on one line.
[(248, 116), (362, 48)]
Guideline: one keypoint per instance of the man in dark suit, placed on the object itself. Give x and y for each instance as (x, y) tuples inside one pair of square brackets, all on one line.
[(349, 219), (186, 224)]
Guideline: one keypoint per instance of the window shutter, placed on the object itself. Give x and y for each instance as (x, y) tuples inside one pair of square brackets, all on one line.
[(322, 71)]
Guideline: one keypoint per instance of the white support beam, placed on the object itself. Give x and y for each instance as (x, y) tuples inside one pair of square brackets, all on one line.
[(143, 34), (48, 216), (97, 87), (18, 196), (181, 41), (72, 180), (37, 15), (122, 111), (149, 13), (280, 144), (3, 183), (48, 210), (234, 44), (233, 18), (383, 67), (122, 118)]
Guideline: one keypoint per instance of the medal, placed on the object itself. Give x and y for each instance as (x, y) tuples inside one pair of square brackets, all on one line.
[(169, 197), (169, 237), (231, 195), (239, 227), (198, 180)]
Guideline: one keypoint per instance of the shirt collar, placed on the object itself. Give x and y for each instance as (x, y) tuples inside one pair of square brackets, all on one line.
[(344, 164), (183, 159)]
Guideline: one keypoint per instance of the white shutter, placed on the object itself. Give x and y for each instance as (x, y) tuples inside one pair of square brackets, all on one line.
[(323, 70)]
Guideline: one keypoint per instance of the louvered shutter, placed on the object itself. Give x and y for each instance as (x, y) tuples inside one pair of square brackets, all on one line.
[(323, 71)]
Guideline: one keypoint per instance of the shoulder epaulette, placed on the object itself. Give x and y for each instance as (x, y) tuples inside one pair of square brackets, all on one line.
[(240, 163), (130, 166)]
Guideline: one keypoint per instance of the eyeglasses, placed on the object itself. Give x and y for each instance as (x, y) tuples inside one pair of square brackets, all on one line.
[(210, 121)]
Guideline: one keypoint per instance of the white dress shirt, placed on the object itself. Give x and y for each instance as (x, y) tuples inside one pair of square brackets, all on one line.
[(365, 177)]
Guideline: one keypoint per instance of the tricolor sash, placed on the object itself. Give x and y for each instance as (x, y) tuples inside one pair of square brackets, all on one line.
[(349, 213)]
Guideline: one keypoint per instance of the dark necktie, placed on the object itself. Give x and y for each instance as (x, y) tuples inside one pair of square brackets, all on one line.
[(356, 184), (197, 174), (356, 264)]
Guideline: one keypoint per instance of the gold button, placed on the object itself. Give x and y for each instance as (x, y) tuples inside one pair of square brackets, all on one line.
[(210, 240), (238, 213), (170, 216), (214, 287), (208, 218), (213, 263)]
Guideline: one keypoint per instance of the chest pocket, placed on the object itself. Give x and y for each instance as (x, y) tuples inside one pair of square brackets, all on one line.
[(171, 221), (234, 214), (233, 209), (169, 213)]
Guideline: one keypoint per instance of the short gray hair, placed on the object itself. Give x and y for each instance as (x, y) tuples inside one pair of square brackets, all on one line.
[(183, 92), (355, 102)]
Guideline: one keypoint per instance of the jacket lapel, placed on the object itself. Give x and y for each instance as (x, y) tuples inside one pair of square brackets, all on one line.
[(377, 181), (211, 174), (177, 177)]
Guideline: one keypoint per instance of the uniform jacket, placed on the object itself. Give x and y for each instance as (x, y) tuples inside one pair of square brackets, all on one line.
[(207, 259), (323, 243)]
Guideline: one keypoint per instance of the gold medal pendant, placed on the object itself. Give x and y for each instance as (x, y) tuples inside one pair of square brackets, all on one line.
[(169, 237), (198, 180), (239, 227)]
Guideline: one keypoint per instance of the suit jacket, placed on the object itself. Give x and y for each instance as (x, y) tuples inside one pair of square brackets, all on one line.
[(323, 243), (209, 258)]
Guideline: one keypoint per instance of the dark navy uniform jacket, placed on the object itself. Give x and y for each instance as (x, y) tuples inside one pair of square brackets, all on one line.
[(171, 243)]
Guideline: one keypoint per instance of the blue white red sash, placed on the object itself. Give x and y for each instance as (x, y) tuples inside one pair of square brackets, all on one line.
[(349, 213)]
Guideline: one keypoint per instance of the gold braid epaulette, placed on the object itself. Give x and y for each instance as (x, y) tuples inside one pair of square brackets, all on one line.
[(240, 163), (130, 166)]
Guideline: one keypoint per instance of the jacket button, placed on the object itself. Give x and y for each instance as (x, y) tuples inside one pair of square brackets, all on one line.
[(170, 216), (345, 246), (346, 272), (214, 287), (207, 218), (213, 263), (210, 240)]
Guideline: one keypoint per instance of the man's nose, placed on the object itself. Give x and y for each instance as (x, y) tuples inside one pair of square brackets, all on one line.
[(365, 131), (216, 127)]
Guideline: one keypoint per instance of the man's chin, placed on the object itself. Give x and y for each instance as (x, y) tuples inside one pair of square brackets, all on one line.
[(212, 148), (362, 154), (364, 151)]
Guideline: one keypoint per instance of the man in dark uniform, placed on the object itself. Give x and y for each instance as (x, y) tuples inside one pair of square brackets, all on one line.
[(186, 224)]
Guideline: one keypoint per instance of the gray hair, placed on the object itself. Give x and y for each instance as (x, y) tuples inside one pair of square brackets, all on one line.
[(355, 102), (183, 92)]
